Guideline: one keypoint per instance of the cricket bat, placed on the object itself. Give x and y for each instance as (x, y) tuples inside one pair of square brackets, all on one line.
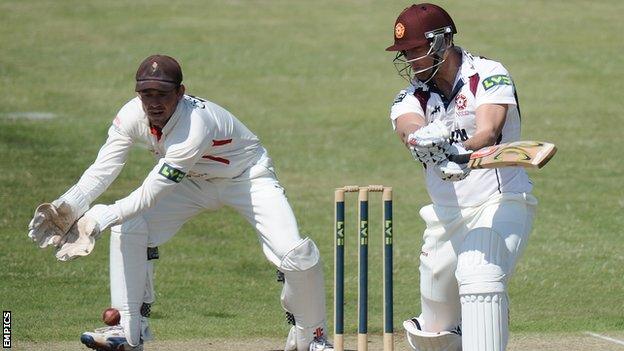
[(528, 154)]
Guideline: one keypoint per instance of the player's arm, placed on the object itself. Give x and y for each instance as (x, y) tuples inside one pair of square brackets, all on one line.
[(494, 94), (184, 149), (490, 119), (407, 124), (52, 221), (427, 142), (179, 158)]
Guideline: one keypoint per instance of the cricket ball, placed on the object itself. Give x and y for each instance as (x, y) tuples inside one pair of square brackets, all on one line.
[(111, 316)]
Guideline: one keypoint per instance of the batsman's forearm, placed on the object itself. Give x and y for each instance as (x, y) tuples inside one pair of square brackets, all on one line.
[(480, 140), (408, 124)]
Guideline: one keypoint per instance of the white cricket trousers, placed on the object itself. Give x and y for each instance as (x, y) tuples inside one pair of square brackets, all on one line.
[(496, 231), (256, 195)]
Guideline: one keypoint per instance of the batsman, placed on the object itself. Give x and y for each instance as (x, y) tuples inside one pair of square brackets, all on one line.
[(205, 159), (479, 221)]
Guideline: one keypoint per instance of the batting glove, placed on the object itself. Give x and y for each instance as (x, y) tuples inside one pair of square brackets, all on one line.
[(451, 171), (430, 144)]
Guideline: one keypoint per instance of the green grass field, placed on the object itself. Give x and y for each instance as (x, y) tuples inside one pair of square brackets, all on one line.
[(313, 81)]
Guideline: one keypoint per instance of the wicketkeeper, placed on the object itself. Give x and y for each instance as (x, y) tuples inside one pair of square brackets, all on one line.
[(479, 222), (205, 159)]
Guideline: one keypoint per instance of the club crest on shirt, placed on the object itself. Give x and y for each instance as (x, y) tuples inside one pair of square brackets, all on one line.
[(461, 102)]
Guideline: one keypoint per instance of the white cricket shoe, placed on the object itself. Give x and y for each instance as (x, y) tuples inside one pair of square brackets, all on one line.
[(108, 339), (321, 344), (305, 339)]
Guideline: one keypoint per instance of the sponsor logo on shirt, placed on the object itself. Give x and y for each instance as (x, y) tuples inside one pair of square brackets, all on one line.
[(171, 173), (458, 135), (399, 97), (499, 79), (435, 110), (196, 101)]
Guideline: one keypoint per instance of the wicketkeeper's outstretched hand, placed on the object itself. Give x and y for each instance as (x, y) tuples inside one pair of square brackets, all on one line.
[(50, 223), (80, 239)]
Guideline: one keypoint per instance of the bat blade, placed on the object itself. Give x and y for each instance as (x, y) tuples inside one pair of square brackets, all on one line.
[(528, 154)]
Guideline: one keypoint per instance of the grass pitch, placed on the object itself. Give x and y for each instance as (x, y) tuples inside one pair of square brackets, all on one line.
[(314, 83)]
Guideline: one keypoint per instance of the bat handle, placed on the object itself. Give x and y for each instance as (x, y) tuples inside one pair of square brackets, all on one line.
[(460, 158)]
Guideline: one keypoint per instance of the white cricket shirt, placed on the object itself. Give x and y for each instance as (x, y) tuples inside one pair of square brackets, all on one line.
[(479, 81), (201, 139)]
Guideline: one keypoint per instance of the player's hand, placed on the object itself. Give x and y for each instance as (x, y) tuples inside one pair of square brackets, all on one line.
[(458, 149), (81, 237), (50, 223), (451, 171), (78, 241), (430, 144)]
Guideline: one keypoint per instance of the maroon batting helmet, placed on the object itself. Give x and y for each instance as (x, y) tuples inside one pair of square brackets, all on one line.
[(418, 25)]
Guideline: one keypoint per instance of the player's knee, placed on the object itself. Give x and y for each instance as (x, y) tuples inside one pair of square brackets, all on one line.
[(481, 264), (301, 257)]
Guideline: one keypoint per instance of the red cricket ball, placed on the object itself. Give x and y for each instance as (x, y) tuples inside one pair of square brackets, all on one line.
[(111, 316)]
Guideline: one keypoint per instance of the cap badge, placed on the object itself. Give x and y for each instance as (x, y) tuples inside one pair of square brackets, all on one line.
[(154, 66), (399, 30)]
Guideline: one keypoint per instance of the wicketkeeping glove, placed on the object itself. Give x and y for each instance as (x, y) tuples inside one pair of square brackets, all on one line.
[(430, 144), (81, 237), (51, 222)]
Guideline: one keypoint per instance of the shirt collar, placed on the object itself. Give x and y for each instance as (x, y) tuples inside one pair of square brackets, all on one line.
[(467, 68), (175, 117)]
